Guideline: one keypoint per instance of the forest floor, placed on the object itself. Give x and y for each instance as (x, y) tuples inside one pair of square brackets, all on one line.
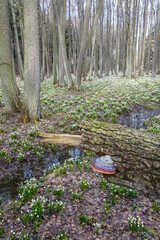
[(109, 99)]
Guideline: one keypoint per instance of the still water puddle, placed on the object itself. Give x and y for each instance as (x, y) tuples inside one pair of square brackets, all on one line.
[(9, 190), (135, 120)]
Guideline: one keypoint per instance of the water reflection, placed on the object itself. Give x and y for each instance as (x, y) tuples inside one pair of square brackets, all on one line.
[(135, 120), (9, 190)]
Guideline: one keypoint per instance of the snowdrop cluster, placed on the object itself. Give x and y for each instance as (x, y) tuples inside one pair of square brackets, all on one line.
[(37, 208), (84, 184), (122, 191), (59, 191), (28, 189), (135, 224), (51, 206), (59, 206)]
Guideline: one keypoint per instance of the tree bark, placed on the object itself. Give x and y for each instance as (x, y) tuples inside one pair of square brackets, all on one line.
[(118, 38), (83, 45), (136, 153), (60, 14), (55, 47), (101, 44), (8, 82), (156, 41), (144, 36), (20, 65), (32, 71)]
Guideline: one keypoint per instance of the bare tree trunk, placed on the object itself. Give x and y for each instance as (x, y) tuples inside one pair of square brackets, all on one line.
[(95, 60), (20, 9), (101, 44), (61, 69), (149, 41), (69, 36), (118, 39), (20, 65), (85, 41), (32, 71), (156, 41), (8, 82), (55, 46), (128, 63), (60, 13), (136, 38), (126, 27), (83, 45), (93, 43), (92, 54), (144, 36)]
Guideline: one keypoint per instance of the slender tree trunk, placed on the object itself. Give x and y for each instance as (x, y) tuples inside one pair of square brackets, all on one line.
[(47, 55), (83, 45), (156, 41), (93, 47), (126, 36), (101, 44), (144, 36), (139, 43), (118, 39), (69, 36), (128, 63), (85, 40), (43, 69), (136, 39), (60, 8), (32, 72), (149, 41), (61, 69), (20, 65), (55, 46), (20, 9), (8, 82)]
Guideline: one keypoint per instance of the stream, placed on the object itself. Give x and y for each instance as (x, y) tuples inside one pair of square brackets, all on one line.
[(8, 190)]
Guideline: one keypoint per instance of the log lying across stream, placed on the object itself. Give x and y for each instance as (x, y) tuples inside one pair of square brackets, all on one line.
[(136, 153)]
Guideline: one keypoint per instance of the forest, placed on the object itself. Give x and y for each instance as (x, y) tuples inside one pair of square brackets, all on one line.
[(80, 119)]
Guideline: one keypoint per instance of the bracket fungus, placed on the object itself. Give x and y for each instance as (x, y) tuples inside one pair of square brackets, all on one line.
[(103, 164)]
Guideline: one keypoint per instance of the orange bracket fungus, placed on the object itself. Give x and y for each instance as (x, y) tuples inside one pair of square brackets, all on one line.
[(103, 164)]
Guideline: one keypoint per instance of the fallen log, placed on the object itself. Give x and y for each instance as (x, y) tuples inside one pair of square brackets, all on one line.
[(136, 154), (60, 139)]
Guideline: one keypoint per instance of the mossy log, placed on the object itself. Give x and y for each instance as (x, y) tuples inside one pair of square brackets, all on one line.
[(136, 154)]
